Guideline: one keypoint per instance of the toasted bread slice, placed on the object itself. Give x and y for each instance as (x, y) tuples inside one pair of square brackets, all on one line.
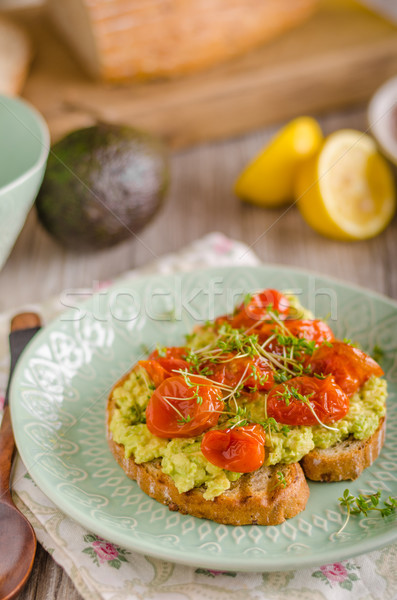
[(255, 498), (346, 460)]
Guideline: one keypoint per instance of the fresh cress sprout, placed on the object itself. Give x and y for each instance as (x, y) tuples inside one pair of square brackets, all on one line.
[(363, 503)]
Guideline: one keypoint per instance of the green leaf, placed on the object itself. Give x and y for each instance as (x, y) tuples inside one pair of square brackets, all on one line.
[(318, 574), (115, 563), (346, 585), (89, 551), (122, 558), (353, 577), (90, 538)]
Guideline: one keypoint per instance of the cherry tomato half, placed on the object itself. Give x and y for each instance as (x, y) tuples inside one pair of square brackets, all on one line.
[(255, 373), (326, 398), (240, 449), (249, 313), (162, 365), (311, 330), (257, 309), (179, 410), (162, 368), (350, 366)]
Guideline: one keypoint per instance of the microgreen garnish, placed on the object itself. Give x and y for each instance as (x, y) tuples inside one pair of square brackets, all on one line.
[(281, 481), (291, 393), (281, 377), (363, 503), (247, 299), (350, 342), (298, 345), (271, 425), (184, 420)]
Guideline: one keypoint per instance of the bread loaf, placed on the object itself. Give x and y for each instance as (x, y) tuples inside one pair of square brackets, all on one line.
[(141, 39), (15, 55)]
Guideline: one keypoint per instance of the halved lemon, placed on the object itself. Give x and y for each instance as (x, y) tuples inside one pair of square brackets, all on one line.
[(269, 179), (347, 191)]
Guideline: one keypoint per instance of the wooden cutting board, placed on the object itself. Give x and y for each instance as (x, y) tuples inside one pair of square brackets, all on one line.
[(338, 57)]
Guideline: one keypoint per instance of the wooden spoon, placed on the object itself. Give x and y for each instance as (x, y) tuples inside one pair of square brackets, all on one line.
[(17, 538)]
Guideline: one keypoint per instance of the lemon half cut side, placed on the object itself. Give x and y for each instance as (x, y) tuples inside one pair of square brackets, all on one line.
[(347, 191), (269, 179)]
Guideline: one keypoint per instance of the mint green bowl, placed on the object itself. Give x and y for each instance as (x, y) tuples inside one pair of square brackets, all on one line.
[(24, 147)]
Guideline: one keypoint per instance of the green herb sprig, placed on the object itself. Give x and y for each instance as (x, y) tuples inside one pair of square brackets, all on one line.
[(281, 481), (364, 503)]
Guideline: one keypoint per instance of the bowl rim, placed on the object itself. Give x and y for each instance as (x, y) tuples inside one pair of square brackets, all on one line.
[(45, 142), (383, 96)]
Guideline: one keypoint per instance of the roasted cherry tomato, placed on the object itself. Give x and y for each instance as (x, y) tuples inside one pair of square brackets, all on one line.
[(162, 368), (257, 309), (240, 449), (255, 373), (311, 330), (350, 366), (248, 314), (326, 398), (179, 410), (162, 365), (169, 352)]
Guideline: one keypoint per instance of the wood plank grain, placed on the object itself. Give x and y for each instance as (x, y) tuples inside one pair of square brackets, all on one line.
[(48, 581), (338, 57)]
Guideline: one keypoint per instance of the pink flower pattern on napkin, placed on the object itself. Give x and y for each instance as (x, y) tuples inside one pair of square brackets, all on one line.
[(103, 552), (338, 574), (223, 245)]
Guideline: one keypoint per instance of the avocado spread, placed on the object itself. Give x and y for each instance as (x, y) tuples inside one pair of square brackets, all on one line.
[(182, 459)]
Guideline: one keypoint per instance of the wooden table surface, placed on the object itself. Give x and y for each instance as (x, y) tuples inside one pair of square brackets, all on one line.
[(200, 201)]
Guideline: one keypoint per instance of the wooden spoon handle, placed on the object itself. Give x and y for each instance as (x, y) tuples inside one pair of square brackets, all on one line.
[(23, 327)]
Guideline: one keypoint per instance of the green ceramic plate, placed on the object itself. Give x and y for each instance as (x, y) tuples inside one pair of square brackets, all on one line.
[(58, 411)]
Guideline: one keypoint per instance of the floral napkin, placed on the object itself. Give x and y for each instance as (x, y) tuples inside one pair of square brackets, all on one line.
[(102, 570)]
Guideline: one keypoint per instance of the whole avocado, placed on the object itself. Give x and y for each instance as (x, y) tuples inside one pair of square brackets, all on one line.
[(102, 185)]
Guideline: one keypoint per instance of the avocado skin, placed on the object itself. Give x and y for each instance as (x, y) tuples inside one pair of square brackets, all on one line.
[(102, 185)]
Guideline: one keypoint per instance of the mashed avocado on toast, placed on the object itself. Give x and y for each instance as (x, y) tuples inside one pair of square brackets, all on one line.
[(273, 372)]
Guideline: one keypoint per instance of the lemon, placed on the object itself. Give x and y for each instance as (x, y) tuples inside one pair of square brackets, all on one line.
[(347, 191), (269, 179)]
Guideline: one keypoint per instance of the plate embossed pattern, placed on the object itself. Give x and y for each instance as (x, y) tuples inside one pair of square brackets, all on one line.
[(58, 402)]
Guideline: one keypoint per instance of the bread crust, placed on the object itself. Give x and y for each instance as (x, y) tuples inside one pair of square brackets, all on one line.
[(346, 460), (255, 498)]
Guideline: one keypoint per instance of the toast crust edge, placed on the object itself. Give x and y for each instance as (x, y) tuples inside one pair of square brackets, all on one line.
[(346, 460)]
